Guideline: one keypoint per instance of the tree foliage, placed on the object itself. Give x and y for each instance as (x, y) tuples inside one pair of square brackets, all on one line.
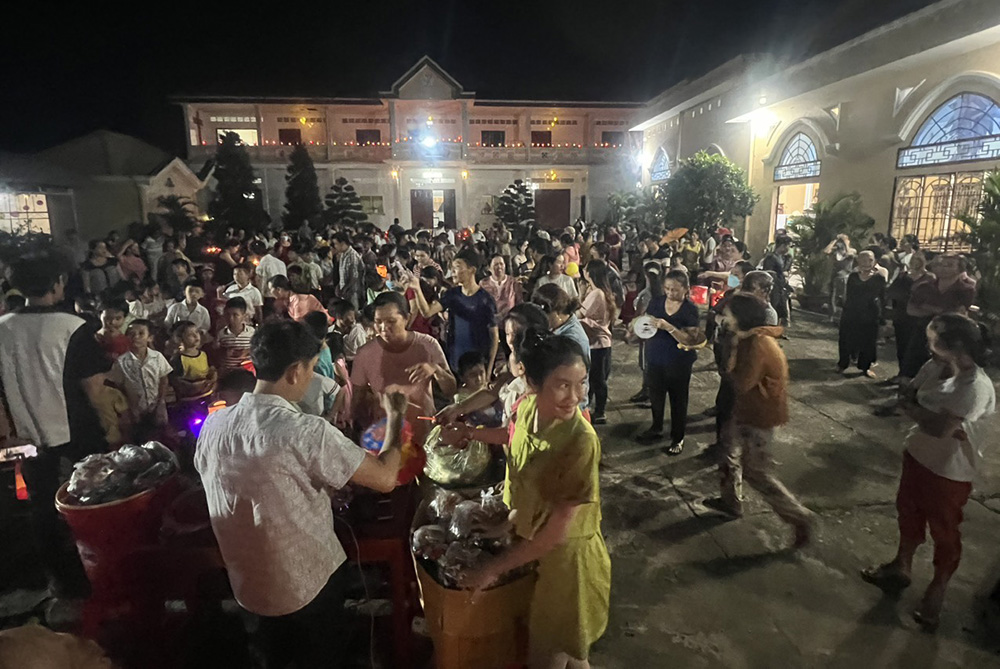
[(180, 213), (516, 206), (237, 202), (983, 235), (841, 215), (705, 192), (343, 206), (640, 210), (302, 201)]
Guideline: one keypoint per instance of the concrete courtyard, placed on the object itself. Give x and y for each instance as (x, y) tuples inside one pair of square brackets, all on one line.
[(693, 589)]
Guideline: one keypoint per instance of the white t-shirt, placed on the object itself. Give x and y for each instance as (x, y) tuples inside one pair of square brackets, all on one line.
[(267, 468), (249, 293), (269, 267), (562, 280), (321, 390), (969, 396), (179, 311)]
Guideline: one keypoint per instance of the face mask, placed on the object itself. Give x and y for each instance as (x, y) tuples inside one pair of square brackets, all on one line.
[(733, 281), (390, 285)]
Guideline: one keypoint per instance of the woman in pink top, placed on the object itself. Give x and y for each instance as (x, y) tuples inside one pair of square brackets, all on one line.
[(129, 262), (505, 289), (398, 360), (296, 304), (596, 315)]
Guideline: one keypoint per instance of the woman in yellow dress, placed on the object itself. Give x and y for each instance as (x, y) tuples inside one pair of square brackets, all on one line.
[(552, 485)]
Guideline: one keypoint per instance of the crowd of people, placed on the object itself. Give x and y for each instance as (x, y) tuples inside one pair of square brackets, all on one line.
[(311, 336)]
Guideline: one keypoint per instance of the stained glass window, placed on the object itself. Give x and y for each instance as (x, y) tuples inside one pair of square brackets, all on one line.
[(966, 128), (660, 171), (799, 160)]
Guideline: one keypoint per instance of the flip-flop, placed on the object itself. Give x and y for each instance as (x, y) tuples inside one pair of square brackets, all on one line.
[(886, 578)]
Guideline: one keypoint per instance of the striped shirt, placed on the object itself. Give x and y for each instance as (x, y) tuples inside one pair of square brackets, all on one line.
[(234, 348)]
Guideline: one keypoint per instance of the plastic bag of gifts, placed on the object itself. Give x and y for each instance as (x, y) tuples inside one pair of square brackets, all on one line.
[(463, 535), (107, 477)]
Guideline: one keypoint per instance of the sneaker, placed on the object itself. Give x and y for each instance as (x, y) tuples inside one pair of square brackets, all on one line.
[(639, 397), (676, 447), (649, 437), (870, 374), (598, 420)]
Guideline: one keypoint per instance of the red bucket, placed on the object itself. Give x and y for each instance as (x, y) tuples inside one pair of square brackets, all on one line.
[(110, 536)]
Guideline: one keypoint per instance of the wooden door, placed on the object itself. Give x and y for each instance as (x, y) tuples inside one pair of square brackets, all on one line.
[(421, 208), (552, 208)]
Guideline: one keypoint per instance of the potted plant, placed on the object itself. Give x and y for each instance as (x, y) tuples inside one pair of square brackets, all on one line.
[(841, 215), (983, 237)]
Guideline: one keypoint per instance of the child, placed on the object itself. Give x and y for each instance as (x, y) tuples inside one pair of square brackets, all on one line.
[(142, 373), (297, 277), (339, 413), (192, 377), (318, 323), (367, 320), (190, 310), (147, 304), (241, 287), (345, 321), (233, 344), (110, 336), (472, 376), (234, 384)]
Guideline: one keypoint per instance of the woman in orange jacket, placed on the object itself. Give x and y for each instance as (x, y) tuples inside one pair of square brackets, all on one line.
[(759, 373)]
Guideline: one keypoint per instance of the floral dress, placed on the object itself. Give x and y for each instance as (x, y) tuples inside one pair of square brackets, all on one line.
[(569, 610)]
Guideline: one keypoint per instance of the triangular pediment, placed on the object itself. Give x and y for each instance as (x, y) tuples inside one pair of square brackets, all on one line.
[(427, 80)]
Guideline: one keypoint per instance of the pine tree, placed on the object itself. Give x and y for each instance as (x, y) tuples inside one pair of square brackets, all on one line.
[(302, 201), (516, 206), (343, 206), (238, 201)]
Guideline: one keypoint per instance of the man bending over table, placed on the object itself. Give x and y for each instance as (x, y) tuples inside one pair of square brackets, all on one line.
[(268, 470)]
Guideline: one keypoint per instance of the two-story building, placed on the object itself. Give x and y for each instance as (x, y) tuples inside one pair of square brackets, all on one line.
[(429, 152), (906, 115)]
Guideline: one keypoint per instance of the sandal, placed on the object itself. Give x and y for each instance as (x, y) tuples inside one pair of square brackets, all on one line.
[(676, 448), (888, 578)]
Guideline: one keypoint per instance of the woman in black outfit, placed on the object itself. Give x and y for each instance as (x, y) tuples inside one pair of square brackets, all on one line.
[(862, 314), (898, 294), (668, 366)]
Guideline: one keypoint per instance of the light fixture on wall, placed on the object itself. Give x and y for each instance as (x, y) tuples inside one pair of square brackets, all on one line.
[(465, 174), (394, 174)]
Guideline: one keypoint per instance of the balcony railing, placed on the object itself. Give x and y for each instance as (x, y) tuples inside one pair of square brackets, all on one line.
[(442, 151)]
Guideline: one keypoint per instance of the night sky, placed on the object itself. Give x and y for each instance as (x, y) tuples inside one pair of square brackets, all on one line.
[(85, 67)]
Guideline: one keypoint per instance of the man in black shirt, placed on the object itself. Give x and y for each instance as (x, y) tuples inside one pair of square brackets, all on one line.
[(51, 376)]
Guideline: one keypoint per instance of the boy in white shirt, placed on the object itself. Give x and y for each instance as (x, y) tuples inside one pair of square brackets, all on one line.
[(241, 287), (191, 310), (141, 373)]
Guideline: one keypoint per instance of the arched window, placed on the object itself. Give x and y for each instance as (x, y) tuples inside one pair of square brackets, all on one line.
[(660, 170), (799, 160), (966, 128)]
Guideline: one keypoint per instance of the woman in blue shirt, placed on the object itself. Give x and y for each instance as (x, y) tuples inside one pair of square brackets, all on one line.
[(668, 366)]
